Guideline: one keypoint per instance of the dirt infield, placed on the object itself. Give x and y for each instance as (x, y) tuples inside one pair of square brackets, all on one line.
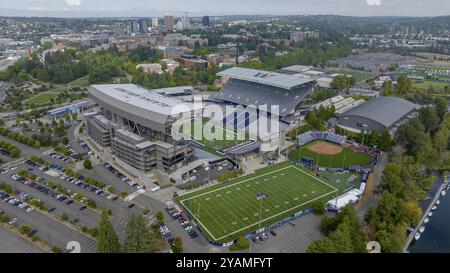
[(322, 147)]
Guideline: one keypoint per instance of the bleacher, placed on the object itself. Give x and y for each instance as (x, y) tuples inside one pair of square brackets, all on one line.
[(312, 136), (250, 93)]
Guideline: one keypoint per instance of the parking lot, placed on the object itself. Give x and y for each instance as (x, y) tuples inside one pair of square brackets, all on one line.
[(48, 229), (291, 238), (13, 243)]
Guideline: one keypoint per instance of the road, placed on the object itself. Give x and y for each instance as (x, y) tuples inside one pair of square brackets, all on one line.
[(373, 199)]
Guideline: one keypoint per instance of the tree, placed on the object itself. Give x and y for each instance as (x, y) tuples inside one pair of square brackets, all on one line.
[(318, 208), (139, 238), (87, 164), (160, 217), (440, 104), (107, 242), (374, 137), (386, 89), (65, 140), (177, 245), (241, 244), (385, 140)]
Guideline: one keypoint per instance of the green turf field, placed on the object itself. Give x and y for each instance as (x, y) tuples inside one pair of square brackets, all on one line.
[(224, 137), (344, 159), (226, 211)]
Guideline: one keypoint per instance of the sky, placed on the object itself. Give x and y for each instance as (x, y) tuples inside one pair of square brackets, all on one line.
[(124, 8)]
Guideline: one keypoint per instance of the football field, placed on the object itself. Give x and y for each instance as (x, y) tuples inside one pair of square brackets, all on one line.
[(226, 211), (203, 132)]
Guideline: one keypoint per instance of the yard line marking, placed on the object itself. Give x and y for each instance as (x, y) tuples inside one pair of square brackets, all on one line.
[(257, 182)]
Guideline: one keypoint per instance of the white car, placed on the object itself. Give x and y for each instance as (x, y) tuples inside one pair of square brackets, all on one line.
[(13, 168), (30, 209), (12, 221)]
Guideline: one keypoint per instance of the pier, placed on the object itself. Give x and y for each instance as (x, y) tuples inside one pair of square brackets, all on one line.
[(410, 238)]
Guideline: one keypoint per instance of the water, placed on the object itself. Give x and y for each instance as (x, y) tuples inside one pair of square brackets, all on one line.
[(436, 238)]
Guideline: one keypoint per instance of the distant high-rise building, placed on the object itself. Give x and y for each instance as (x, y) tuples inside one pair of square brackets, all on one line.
[(155, 22), (143, 26), (185, 21), (205, 21), (168, 21), (134, 27)]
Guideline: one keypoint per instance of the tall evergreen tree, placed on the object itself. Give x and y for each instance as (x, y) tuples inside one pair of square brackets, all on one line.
[(139, 238), (108, 242)]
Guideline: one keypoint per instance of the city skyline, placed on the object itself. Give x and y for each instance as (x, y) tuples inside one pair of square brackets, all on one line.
[(136, 8)]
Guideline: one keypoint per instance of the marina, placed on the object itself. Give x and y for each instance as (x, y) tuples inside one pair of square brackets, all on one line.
[(432, 234)]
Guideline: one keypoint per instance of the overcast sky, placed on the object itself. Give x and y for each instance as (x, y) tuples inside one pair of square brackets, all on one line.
[(89, 8)]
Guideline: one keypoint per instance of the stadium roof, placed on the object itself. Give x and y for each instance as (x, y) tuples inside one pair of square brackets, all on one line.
[(137, 102), (384, 110), (275, 79)]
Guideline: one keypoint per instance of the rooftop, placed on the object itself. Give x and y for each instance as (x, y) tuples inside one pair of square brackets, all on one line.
[(275, 79), (384, 110), (140, 97)]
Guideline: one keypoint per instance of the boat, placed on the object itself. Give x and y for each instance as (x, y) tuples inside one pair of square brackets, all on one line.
[(430, 214), (417, 236), (438, 202), (443, 192), (434, 208), (426, 220), (422, 229)]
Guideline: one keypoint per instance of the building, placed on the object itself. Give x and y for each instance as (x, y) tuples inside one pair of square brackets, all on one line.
[(299, 36), (185, 22), (155, 22), (134, 27), (205, 21), (168, 22), (143, 26), (257, 87), (193, 61), (173, 52), (151, 68), (134, 124), (171, 65), (378, 113)]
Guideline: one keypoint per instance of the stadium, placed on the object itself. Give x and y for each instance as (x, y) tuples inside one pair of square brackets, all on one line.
[(253, 94)]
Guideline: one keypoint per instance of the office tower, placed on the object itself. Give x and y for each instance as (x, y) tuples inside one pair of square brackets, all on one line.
[(205, 21), (155, 22), (168, 21)]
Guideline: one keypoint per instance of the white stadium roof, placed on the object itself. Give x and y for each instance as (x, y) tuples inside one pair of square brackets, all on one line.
[(275, 79)]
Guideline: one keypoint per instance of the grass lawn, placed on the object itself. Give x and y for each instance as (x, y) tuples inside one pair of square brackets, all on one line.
[(220, 137), (227, 211), (41, 99), (425, 85), (81, 82), (45, 97), (346, 158), (357, 74)]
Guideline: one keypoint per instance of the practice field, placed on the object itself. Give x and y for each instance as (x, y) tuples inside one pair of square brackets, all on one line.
[(326, 154), (226, 211), (204, 131)]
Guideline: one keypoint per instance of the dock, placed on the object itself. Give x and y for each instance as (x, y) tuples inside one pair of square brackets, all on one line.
[(410, 238)]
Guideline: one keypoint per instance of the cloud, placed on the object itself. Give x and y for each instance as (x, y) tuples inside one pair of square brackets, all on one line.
[(374, 2), (73, 2)]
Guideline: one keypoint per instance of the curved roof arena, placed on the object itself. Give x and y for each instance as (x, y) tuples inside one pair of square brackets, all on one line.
[(383, 110)]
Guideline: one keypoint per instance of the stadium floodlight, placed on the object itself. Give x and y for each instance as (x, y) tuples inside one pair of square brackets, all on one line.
[(261, 195)]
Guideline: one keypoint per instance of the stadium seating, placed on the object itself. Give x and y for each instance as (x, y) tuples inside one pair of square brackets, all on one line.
[(248, 93), (311, 136)]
